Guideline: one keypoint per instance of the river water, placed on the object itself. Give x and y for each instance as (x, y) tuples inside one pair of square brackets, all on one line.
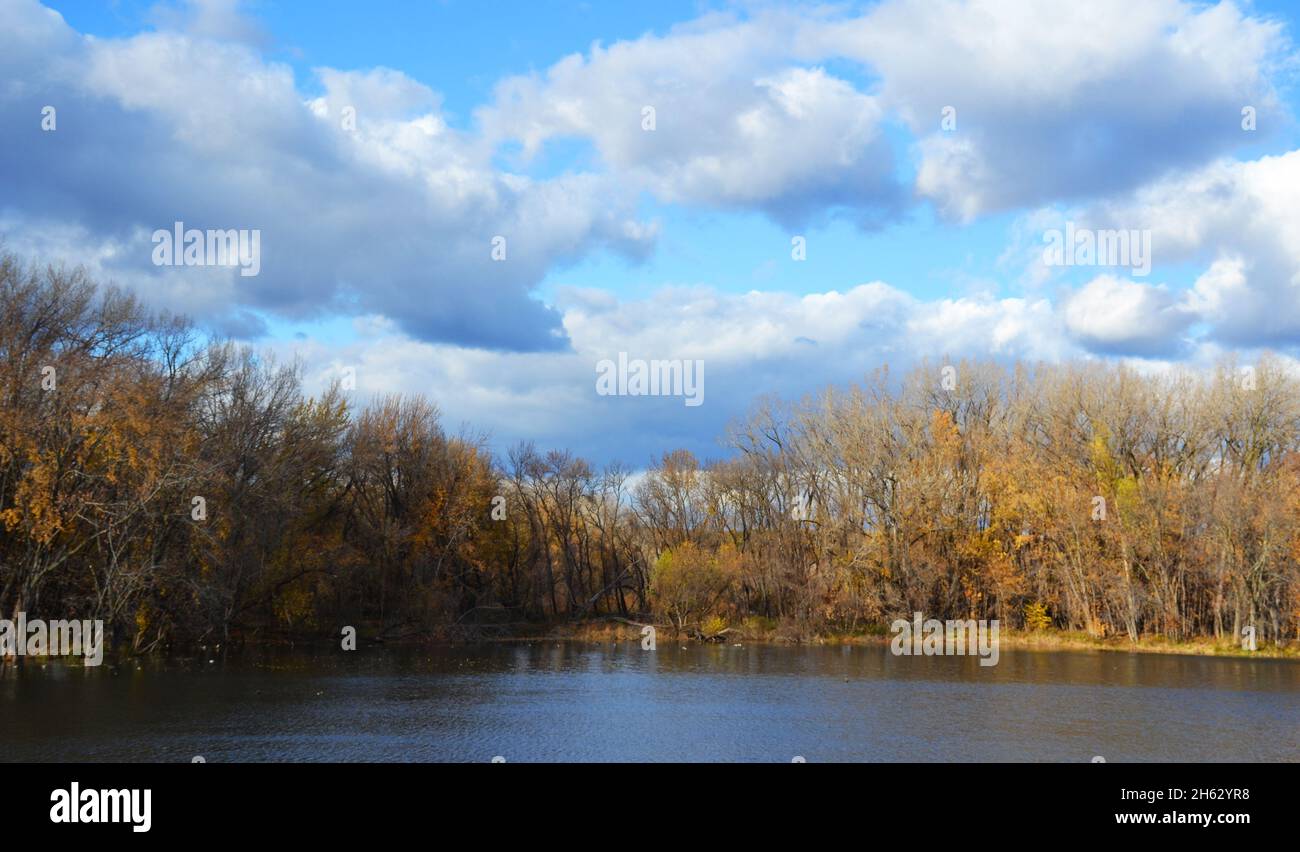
[(548, 701)]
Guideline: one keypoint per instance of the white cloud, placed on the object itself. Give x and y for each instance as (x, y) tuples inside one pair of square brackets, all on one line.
[(751, 344), (735, 123), (1118, 316), (1240, 220), (1053, 101), (395, 218), (1063, 100)]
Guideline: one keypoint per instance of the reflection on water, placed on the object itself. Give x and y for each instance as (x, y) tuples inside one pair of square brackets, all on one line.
[(615, 702)]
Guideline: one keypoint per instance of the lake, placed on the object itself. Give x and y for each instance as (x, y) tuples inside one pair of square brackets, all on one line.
[(548, 701)]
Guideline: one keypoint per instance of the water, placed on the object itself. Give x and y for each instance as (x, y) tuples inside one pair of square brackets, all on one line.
[(615, 702)]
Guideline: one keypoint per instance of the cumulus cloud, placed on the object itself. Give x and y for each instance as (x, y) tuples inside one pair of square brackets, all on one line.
[(1115, 316), (1053, 101), (1064, 100), (733, 122), (1233, 224), (1240, 223), (395, 217), (751, 344)]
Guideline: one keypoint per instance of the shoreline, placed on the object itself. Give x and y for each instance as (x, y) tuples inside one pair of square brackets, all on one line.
[(611, 630), (1052, 640)]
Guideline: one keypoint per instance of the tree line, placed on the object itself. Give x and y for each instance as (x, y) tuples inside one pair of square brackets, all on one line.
[(186, 490)]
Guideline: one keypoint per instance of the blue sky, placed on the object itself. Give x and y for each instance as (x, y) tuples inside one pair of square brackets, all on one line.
[(774, 121)]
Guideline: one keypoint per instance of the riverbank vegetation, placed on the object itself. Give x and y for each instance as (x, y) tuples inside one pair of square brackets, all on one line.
[(185, 490), (766, 632)]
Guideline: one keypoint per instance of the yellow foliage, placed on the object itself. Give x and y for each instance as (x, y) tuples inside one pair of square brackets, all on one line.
[(1036, 617)]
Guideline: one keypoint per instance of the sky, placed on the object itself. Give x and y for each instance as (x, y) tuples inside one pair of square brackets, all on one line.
[(481, 203)]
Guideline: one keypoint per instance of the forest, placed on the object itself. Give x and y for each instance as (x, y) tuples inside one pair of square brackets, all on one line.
[(185, 489)]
